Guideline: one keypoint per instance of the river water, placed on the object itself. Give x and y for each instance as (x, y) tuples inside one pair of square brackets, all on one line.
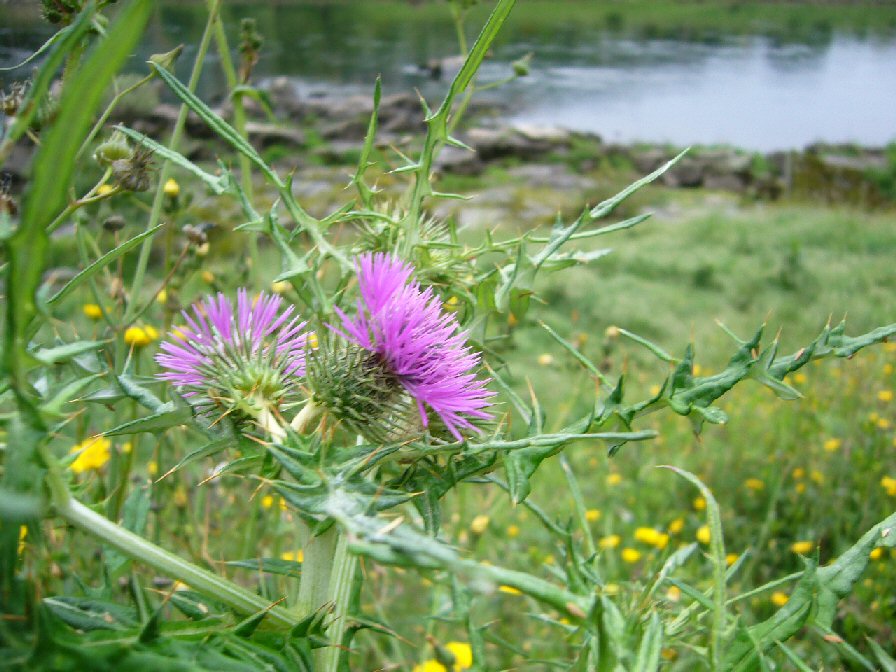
[(746, 90)]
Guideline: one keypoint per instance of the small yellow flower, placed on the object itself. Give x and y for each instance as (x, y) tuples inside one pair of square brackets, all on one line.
[(592, 515), (151, 332), (208, 277), (510, 590), (802, 547), (463, 655), (655, 390), (889, 484), (267, 501), (798, 473), (512, 321), (731, 558), (816, 476), (610, 541), (888, 369), (312, 341), (876, 554), (799, 378), (430, 666), (703, 534), (652, 537), (293, 556), (280, 286), (885, 395), (171, 188), (800, 488), (180, 497), (676, 526), (513, 531), (697, 369), (699, 504), (754, 484), (832, 445), (479, 524), (630, 555), (883, 423), (23, 532), (546, 359), (93, 311), (614, 479), (105, 190), (779, 599), (92, 454), (127, 447), (610, 589), (451, 304), (673, 594), (139, 336), (611, 332), (669, 654), (152, 468)]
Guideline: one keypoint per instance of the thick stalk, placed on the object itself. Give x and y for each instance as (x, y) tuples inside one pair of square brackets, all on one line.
[(319, 553), (340, 592), (236, 597)]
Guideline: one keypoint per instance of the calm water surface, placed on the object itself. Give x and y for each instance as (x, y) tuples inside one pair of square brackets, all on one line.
[(747, 91)]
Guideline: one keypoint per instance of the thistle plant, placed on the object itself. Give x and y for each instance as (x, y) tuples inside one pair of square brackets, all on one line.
[(380, 410)]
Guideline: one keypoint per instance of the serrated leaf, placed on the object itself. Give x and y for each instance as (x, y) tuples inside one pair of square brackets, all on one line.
[(167, 416), (88, 615)]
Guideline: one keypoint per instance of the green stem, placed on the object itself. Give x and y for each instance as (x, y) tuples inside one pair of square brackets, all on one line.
[(159, 199), (317, 564), (239, 123), (236, 597), (340, 592)]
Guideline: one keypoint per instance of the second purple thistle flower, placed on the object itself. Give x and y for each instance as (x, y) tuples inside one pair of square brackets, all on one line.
[(420, 344)]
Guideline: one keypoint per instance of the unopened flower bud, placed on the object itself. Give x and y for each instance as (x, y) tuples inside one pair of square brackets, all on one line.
[(114, 149), (114, 223)]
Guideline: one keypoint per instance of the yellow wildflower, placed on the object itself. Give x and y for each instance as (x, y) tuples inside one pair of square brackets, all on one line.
[(463, 655), (798, 473), (779, 599), (673, 594), (800, 488), (546, 359), (479, 524), (816, 476), (451, 303), (180, 497), (512, 321), (676, 526), (699, 504), (611, 332), (510, 590), (208, 277), (92, 454), (171, 188), (162, 296), (280, 286), (290, 556), (703, 534), (152, 468), (754, 484), (23, 532), (885, 395), (631, 555), (876, 554), (614, 479), (513, 531), (105, 190), (93, 311), (669, 654), (883, 423), (802, 547), (267, 501), (610, 541), (312, 341), (655, 390), (799, 378), (592, 515), (888, 369), (140, 336), (731, 558), (611, 589), (832, 445), (430, 666), (889, 484)]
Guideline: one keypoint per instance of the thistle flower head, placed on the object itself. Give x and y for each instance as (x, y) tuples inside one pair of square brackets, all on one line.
[(246, 359), (404, 334)]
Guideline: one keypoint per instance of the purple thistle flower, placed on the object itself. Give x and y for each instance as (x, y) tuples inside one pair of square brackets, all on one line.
[(250, 358), (405, 327)]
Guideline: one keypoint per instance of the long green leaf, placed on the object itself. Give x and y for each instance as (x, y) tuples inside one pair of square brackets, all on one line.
[(104, 260)]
